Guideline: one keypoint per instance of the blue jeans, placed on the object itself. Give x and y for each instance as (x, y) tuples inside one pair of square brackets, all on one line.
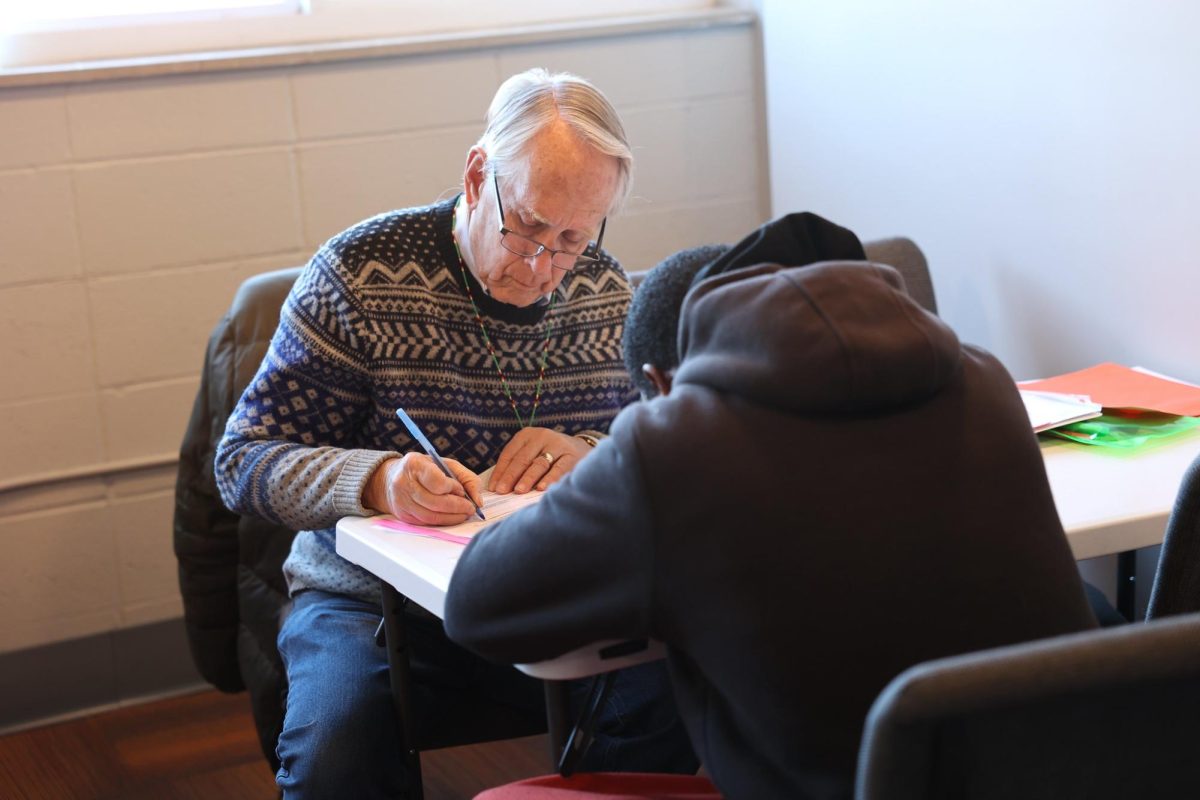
[(340, 733)]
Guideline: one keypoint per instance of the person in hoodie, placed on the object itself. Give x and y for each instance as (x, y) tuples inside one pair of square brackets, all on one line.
[(829, 488)]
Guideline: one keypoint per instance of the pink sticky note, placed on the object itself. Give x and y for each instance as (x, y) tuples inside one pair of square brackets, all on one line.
[(421, 530)]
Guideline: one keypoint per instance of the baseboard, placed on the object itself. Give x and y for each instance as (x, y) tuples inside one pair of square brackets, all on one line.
[(65, 679)]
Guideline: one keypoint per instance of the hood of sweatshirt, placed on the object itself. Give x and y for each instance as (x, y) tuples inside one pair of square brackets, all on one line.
[(838, 337)]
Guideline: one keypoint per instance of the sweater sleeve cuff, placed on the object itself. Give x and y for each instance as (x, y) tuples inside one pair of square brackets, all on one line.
[(352, 480)]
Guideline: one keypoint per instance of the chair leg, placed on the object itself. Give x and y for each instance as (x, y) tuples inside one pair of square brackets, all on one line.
[(581, 735), (398, 673), (1127, 584)]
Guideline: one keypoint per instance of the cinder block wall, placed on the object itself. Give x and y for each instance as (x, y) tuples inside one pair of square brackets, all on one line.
[(130, 210)]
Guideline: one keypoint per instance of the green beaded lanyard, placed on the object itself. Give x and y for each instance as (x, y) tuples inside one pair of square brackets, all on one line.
[(537, 392)]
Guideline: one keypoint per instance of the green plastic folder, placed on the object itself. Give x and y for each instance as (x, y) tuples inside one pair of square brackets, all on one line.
[(1125, 428)]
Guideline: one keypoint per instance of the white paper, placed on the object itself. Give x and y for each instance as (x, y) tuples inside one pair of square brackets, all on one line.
[(1048, 410)]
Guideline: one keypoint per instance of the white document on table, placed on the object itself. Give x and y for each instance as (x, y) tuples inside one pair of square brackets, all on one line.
[(1048, 410)]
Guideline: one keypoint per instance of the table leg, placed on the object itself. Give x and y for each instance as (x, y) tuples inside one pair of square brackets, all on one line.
[(1127, 584), (557, 711), (580, 738), (398, 673)]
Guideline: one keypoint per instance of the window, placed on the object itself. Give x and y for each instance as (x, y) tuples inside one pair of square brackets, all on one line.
[(56, 32), (47, 15)]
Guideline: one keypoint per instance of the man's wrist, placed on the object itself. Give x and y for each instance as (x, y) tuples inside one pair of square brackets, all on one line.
[(374, 493)]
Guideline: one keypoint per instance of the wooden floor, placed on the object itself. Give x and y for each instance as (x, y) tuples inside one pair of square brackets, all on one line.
[(203, 746)]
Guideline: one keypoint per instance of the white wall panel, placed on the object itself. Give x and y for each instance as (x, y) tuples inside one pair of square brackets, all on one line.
[(46, 347), (147, 574), (59, 582), (642, 240), (721, 61), (720, 149), (38, 235), (180, 115), (50, 434), (155, 326), (139, 215), (633, 70), (658, 135), (147, 420), (370, 97), (59, 494), (33, 123), (344, 183)]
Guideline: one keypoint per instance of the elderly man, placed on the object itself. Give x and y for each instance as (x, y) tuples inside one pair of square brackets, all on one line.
[(494, 320)]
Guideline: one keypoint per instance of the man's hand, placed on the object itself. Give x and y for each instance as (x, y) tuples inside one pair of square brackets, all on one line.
[(413, 489), (524, 464)]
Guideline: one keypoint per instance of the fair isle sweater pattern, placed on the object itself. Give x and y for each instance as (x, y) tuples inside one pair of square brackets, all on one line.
[(379, 320)]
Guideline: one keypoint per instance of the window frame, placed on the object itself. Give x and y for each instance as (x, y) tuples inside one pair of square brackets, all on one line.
[(11, 20), (325, 23)]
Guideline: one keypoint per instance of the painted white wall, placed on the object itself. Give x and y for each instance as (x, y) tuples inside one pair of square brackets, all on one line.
[(131, 210), (1044, 155)]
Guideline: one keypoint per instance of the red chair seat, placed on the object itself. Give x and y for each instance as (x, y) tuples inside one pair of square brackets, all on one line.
[(606, 786)]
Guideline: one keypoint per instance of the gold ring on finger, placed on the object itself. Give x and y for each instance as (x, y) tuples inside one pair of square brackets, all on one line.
[(549, 458)]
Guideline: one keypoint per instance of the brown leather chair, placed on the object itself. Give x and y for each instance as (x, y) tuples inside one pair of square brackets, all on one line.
[(230, 566), (230, 571)]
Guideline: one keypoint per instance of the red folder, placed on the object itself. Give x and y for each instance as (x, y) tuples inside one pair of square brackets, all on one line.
[(1115, 386)]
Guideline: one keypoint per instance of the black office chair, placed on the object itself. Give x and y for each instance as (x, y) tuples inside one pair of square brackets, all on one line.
[(898, 252), (1176, 588), (1113, 713), (906, 258)]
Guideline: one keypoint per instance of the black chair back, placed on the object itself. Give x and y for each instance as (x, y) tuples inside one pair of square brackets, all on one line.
[(907, 259), (1176, 588), (898, 252), (1113, 713)]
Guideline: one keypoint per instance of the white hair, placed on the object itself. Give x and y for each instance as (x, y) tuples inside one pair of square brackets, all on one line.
[(529, 101)]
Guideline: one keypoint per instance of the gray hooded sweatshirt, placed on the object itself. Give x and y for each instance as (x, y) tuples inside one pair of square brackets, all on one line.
[(834, 490)]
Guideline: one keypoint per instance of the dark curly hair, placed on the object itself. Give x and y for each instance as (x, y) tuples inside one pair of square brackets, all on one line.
[(652, 324)]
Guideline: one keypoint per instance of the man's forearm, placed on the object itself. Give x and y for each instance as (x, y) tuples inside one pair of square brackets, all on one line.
[(300, 487)]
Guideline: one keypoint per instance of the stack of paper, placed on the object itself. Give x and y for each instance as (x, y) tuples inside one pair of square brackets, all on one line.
[(1048, 410), (495, 507)]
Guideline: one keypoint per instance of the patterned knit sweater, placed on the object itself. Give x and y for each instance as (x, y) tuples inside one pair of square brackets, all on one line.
[(379, 320)]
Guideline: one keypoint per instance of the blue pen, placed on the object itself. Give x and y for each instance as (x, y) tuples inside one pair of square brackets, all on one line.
[(428, 445)]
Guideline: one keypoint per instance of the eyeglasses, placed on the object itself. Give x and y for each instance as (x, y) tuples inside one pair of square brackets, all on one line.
[(525, 247)]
